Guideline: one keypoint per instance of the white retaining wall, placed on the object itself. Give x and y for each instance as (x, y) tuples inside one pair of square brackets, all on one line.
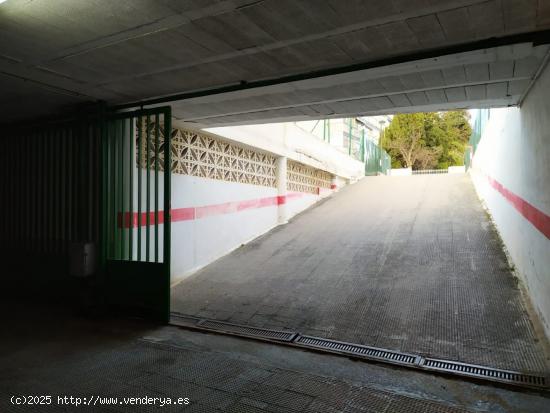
[(199, 241), (511, 173), (211, 218)]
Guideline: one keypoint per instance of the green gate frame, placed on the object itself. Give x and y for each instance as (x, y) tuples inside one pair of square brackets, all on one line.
[(137, 281)]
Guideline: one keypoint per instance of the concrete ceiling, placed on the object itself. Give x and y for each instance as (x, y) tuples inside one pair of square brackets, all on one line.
[(243, 61)]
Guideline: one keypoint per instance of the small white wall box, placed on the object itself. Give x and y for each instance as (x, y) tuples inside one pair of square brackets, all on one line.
[(83, 259)]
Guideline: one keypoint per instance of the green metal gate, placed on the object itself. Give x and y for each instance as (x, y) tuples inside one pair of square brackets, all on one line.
[(135, 247)]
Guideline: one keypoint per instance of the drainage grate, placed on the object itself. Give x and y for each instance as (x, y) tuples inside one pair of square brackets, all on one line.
[(364, 352), (374, 353), (504, 376), (238, 329)]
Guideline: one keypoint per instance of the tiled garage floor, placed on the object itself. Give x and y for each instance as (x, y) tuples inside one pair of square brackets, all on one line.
[(404, 263), (49, 352)]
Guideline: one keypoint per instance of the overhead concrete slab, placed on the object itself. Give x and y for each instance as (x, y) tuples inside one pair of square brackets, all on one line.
[(411, 264), (463, 80), (130, 52)]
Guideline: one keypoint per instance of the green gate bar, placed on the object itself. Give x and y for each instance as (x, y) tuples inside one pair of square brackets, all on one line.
[(131, 160), (157, 143), (147, 187), (139, 195)]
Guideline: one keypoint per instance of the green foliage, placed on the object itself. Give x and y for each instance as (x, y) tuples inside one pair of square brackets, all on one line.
[(427, 140)]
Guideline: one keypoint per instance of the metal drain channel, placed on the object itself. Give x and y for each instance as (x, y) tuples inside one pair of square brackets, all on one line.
[(248, 331), (482, 372), (364, 352), (424, 363), (340, 347)]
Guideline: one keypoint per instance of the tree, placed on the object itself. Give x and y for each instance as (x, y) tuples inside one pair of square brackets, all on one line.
[(405, 140), (457, 132), (427, 140)]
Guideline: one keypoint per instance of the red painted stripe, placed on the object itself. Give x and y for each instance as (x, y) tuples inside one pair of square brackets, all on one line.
[(135, 216), (191, 213), (231, 207), (294, 195), (182, 214), (535, 216)]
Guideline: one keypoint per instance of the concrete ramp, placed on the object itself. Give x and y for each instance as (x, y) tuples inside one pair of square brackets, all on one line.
[(404, 263)]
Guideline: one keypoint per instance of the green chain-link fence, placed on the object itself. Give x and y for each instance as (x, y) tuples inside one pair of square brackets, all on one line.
[(481, 118), (359, 147), (377, 159)]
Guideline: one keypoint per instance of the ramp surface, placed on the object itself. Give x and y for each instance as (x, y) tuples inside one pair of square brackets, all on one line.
[(404, 263)]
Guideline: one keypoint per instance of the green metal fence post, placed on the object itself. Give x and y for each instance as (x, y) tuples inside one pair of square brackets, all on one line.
[(349, 137), (362, 145), (140, 127), (157, 142), (122, 210), (167, 204), (148, 190), (132, 166)]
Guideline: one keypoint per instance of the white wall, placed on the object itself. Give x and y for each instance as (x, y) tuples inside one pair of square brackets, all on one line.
[(401, 171), (336, 127), (456, 169), (199, 241), (220, 216), (515, 152)]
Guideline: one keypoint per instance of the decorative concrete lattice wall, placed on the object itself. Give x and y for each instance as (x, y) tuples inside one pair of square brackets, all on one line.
[(303, 178), (199, 155), (149, 128)]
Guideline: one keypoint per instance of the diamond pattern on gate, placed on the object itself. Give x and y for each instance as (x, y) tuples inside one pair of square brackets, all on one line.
[(303, 178), (200, 155)]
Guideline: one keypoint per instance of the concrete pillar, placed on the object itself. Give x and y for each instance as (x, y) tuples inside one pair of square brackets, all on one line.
[(334, 183), (281, 189)]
